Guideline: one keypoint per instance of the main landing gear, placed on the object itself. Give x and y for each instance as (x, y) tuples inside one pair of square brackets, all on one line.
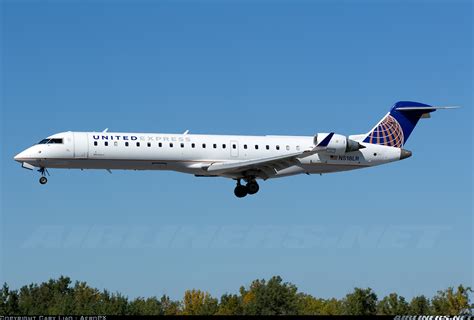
[(251, 187), (43, 179)]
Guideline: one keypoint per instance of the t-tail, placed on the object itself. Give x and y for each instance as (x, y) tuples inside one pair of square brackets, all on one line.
[(396, 127)]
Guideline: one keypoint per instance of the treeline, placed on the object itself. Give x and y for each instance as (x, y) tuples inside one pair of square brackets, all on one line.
[(272, 297)]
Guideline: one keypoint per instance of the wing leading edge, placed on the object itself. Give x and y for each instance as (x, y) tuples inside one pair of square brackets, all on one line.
[(266, 167)]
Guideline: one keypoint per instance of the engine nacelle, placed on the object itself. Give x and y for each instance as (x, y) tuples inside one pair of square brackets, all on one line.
[(338, 144)]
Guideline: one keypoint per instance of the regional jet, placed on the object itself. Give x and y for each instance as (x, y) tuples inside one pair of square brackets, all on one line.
[(244, 159)]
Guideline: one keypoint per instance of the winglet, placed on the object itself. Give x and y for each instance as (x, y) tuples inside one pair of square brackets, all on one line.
[(326, 140)]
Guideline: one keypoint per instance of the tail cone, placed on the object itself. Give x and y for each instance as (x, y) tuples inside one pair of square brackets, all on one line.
[(404, 154)]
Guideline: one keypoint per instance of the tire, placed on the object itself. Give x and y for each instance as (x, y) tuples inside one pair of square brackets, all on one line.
[(252, 187), (43, 180), (240, 191)]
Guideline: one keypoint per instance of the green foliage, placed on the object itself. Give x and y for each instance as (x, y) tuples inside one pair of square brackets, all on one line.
[(145, 307), (360, 302), (420, 305), (52, 297), (450, 302), (309, 305), (230, 304), (8, 301), (333, 307), (169, 306), (197, 302), (272, 297), (393, 304)]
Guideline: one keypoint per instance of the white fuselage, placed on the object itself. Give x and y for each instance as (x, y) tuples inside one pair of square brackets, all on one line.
[(190, 153)]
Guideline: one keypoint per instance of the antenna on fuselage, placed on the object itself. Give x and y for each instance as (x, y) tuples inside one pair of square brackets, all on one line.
[(106, 129), (186, 132)]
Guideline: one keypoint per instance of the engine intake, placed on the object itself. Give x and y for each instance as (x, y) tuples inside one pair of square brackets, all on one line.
[(339, 144)]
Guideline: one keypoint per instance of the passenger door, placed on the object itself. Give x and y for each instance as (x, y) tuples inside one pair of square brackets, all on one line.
[(81, 145)]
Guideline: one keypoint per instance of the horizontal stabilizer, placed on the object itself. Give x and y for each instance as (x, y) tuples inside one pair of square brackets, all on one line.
[(428, 109), (395, 128)]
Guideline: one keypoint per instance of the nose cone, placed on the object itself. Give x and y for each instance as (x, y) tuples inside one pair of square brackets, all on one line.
[(404, 154), (18, 157), (21, 156)]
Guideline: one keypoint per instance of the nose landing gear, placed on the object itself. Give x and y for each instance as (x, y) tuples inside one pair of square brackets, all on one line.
[(250, 188), (43, 179)]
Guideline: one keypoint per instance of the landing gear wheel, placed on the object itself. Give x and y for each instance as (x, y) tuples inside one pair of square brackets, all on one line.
[(252, 187), (43, 180), (240, 191)]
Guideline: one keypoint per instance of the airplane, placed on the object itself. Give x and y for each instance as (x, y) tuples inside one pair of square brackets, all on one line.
[(241, 158)]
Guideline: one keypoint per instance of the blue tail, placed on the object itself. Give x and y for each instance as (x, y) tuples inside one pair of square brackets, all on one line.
[(395, 128)]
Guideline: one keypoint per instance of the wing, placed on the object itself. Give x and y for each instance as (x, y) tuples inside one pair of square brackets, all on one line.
[(265, 167)]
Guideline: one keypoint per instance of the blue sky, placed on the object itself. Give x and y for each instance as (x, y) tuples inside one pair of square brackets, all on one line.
[(238, 67)]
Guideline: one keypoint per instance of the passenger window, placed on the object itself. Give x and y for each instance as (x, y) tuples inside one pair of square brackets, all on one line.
[(171, 145), (138, 144), (95, 143), (182, 145), (245, 146), (149, 144), (204, 146), (160, 144), (115, 144), (297, 148), (288, 148), (223, 146), (126, 144), (193, 145), (256, 147), (106, 143), (214, 145), (234, 146), (268, 147), (278, 147)]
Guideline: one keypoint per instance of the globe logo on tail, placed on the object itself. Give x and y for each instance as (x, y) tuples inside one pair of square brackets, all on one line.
[(387, 133)]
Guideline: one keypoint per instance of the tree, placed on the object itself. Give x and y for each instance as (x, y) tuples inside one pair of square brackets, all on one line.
[(309, 305), (333, 307), (52, 297), (360, 302), (8, 301), (4, 295), (113, 304), (420, 305), (393, 304), (197, 302), (272, 298), (170, 307), (230, 304), (146, 307), (449, 302), (86, 299)]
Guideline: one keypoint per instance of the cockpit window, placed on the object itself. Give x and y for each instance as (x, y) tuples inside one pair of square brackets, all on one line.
[(51, 141)]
